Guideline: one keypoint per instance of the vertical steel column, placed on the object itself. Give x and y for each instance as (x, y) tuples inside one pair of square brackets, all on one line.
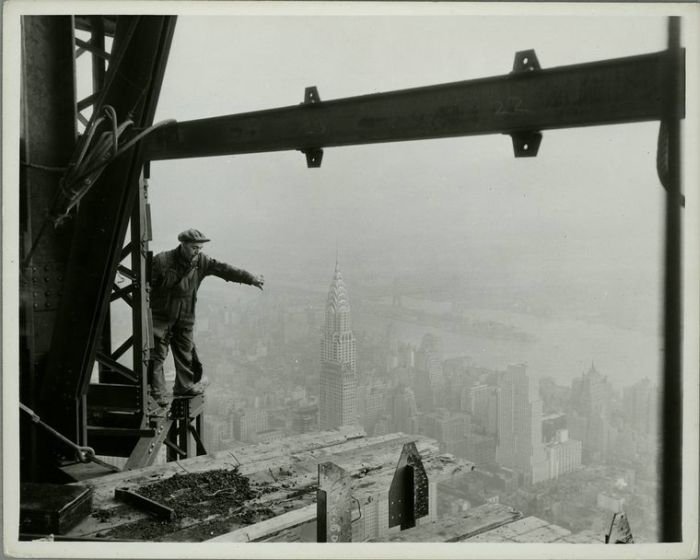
[(97, 39), (47, 136), (179, 435), (671, 498), (140, 308), (198, 434)]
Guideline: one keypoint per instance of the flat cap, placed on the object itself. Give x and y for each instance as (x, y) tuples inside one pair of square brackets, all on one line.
[(192, 236)]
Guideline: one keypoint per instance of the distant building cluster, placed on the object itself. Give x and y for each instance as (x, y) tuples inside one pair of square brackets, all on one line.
[(529, 438)]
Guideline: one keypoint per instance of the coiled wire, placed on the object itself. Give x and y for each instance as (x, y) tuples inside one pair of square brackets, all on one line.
[(93, 158)]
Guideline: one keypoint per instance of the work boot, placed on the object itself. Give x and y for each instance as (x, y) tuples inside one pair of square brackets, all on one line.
[(191, 391), (161, 400)]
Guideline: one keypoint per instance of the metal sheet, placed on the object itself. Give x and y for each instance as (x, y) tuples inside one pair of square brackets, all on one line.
[(620, 532), (409, 490), (334, 523)]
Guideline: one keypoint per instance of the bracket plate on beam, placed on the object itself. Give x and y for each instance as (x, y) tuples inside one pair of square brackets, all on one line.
[(408, 493), (311, 95), (334, 503), (313, 157), (525, 61), (526, 144)]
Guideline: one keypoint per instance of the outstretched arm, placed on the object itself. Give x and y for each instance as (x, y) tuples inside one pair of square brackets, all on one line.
[(231, 273)]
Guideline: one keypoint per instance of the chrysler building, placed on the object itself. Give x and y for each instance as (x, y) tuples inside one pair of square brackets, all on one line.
[(338, 384)]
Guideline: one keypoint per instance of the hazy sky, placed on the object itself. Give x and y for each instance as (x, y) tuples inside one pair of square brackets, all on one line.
[(587, 209)]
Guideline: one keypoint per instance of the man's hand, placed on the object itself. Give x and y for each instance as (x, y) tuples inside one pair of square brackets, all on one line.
[(258, 281)]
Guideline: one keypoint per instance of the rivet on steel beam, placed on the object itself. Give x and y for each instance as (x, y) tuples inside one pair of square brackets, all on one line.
[(526, 144), (525, 61), (311, 95)]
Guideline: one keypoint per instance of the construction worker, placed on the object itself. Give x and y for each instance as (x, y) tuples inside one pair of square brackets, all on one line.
[(176, 276)]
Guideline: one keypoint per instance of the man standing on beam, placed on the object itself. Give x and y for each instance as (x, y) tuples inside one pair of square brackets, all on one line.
[(175, 279)]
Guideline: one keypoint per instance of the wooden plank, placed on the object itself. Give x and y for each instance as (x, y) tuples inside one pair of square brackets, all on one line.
[(269, 526), (457, 528)]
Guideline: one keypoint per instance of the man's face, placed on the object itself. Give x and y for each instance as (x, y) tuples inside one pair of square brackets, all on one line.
[(192, 250)]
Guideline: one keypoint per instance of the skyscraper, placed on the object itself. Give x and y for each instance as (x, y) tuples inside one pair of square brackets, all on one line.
[(640, 407), (589, 418), (563, 454), (520, 444), (404, 410), (338, 383)]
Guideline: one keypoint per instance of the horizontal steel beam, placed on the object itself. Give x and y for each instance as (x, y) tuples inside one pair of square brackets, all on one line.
[(612, 91)]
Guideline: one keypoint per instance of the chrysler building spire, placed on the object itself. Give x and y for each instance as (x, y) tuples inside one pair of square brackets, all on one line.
[(338, 383)]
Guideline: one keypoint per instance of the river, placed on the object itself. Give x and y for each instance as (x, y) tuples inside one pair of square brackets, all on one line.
[(559, 348)]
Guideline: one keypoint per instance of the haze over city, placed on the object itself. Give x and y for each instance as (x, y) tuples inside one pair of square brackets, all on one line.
[(573, 233)]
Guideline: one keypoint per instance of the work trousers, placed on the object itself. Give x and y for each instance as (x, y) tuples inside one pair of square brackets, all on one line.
[(181, 339)]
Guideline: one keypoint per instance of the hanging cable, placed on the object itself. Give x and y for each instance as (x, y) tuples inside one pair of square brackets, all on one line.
[(94, 157)]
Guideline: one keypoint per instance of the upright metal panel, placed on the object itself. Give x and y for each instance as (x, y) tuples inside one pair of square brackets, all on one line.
[(408, 493), (334, 504)]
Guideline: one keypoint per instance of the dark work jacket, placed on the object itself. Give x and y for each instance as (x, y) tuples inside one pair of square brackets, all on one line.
[(174, 284)]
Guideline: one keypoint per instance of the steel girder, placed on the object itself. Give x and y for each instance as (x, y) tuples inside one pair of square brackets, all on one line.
[(132, 87), (521, 103)]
